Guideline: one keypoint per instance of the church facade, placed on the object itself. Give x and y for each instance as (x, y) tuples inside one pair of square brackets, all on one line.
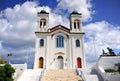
[(59, 47)]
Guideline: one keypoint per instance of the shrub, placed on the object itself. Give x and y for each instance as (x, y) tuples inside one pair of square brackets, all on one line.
[(110, 70), (6, 72)]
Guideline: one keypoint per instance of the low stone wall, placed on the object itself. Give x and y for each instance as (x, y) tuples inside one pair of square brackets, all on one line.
[(19, 69), (107, 62), (113, 77)]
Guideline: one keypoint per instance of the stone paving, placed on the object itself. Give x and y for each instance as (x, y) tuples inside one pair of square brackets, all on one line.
[(61, 75)]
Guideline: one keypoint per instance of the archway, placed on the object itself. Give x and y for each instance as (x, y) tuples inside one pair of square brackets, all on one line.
[(41, 62), (60, 62), (79, 63)]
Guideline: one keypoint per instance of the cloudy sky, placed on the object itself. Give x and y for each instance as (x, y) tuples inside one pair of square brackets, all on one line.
[(101, 23)]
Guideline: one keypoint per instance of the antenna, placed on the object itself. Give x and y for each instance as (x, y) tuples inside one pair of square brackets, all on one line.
[(27, 56), (94, 45), (0, 11)]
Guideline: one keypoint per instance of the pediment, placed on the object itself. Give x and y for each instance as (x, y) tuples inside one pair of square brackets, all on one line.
[(59, 53), (60, 27)]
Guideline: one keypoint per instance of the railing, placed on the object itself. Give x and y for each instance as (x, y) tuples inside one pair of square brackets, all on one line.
[(42, 74), (79, 72)]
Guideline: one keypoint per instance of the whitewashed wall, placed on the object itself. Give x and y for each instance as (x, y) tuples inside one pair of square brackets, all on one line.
[(108, 62), (19, 68)]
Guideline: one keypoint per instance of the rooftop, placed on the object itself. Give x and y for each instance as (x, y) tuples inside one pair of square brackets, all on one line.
[(75, 12), (43, 12)]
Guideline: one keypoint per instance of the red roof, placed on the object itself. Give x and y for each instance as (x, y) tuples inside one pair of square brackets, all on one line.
[(60, 27)]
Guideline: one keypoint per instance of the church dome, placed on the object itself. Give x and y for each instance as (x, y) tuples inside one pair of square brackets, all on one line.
[(75, 12), (42, 12)]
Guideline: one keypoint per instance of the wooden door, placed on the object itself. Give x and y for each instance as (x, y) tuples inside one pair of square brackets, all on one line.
[(79, 63), (41, 62), (60, 62)]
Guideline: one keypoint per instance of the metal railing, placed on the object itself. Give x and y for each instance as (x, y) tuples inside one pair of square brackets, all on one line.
[(79, 72), (42, 74)]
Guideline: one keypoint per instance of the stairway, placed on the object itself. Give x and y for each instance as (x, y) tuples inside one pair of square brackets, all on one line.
[(61, 75)]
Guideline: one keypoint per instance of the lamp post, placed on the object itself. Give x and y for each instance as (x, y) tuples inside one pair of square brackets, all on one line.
[(9, 55)]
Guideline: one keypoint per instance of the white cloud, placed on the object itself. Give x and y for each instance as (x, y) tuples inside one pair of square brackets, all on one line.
[(19, 24), (21, 21), (103, 33), (100, 35), (17, 27), (82, 6), (56, 19)]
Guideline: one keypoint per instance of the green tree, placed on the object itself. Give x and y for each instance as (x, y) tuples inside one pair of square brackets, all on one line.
[(6, 72), (1, 79), (2, 73)]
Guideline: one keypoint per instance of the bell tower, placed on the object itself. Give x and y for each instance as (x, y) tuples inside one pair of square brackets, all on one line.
[(42, 21), (75, 22)]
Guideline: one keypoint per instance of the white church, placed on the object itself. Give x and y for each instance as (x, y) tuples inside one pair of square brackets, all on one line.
[(59, 47), (60, 55)]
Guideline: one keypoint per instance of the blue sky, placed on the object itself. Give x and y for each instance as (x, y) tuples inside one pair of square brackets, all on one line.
[(101, 23), (104, 9)]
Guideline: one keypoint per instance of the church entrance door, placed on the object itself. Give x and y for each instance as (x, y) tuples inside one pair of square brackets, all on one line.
[(79, 64), (60, 62), (41, 62)]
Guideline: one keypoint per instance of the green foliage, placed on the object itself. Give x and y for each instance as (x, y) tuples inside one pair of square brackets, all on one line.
[(110, 70), (1, 79), (6, 73), (2, 71)]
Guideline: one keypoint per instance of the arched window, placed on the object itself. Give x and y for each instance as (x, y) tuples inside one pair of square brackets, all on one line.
[(76, 24), (77, 43), (42, 22), (41, 42), (60, 41)]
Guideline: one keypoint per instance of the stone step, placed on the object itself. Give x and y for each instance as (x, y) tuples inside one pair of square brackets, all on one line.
[(61, 75)]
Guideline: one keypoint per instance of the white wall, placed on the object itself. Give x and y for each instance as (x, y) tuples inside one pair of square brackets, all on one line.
[(19, 68), (107, 62), (50, 52)]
